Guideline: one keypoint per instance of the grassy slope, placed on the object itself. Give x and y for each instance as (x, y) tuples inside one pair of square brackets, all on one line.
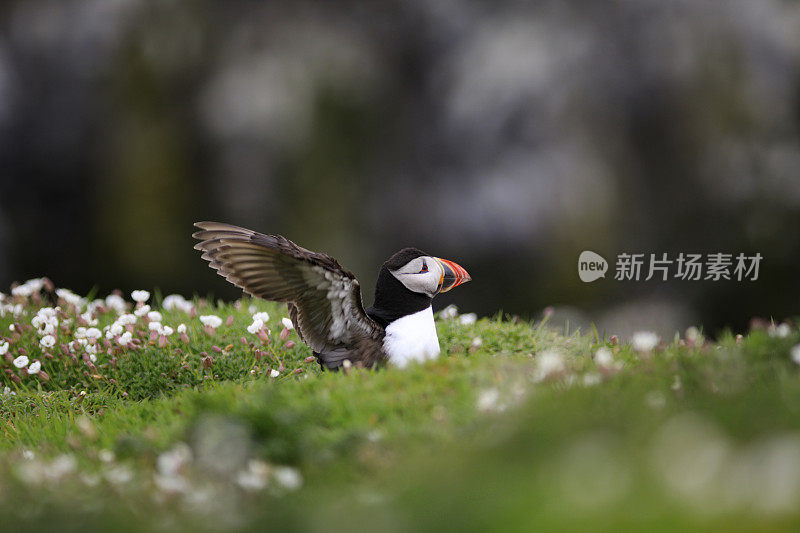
[(482, 439)]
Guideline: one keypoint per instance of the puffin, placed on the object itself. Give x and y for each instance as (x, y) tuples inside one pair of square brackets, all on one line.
[(324, 300)]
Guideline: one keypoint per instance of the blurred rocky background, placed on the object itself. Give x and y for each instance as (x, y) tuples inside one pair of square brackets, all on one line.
[(504, 135)]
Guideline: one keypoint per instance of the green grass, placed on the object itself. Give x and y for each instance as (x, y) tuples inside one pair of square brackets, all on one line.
[(486, 438)]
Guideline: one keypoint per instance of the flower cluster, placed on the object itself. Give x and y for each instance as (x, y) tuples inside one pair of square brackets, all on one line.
[(84, 342)]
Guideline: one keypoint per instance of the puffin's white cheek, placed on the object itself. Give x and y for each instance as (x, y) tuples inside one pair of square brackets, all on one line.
[(432, 282)]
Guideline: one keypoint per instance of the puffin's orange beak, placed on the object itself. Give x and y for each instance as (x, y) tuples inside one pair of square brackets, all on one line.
[(453, 275)]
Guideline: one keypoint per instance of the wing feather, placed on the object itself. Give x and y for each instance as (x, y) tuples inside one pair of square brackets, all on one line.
[(324, 300)]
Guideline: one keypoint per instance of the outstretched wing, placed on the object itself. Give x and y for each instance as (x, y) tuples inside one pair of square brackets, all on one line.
[(324, 299)]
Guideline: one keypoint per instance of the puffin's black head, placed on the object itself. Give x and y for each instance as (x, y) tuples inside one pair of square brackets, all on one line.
[(409, 280)]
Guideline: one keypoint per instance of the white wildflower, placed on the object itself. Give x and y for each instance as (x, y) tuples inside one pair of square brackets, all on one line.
[(119, 475), (21, 361), (143, 310), (255, 477), (489, 400), (287, 323), (7, 391), (91, 351), (644, 341), (171, 462), (80, 333), (106, 456), (125, 338), (167, 331), (780, 331), (48, 341), (89, 318), (45, 321), (154, 316), (35, 367), (127, 319), (448, 313), (212, 321), (70, 297), (693, 335), (93, 334), (62, 465), (114, 330), (604, 357), (176, 302), (262, 316), (795, 353), (140, 296), (548, 363), (3, 348), (256, 326), (467, 319), (28, 288), (181, 328), (476, 342), (116, 302), (274, 373), (93, 306), (287, 477), (154, 326)]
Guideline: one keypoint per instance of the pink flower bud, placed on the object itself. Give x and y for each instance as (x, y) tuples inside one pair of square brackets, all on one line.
[(290, 344), (229, 321), (208, 362), (310, 359), (184, 337), (263, 335), (284, 334)]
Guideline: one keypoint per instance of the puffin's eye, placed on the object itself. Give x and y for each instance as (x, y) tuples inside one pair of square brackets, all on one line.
[(424, 267)]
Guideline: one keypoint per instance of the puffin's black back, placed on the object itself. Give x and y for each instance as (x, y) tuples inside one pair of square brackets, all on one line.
[(392, 299)]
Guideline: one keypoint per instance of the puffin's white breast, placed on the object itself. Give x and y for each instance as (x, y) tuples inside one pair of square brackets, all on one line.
[(412, 338)]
